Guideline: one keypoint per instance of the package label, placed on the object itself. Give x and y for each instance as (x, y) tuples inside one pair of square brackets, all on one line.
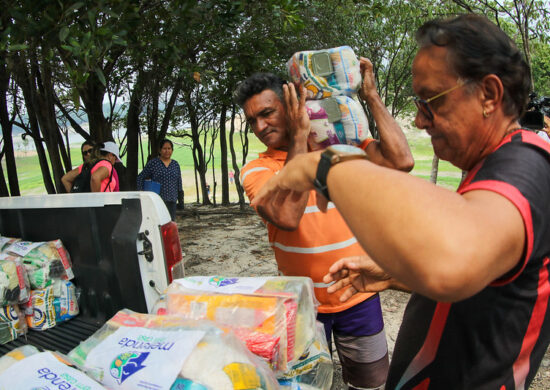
[(43, 309), (44, 371), (141, 358), (222, 285), (4, 241), (21, 248), (65, 259), (187, 384)]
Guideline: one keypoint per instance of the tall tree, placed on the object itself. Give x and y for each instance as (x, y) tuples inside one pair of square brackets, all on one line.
[(531, 19), (92, 37), (6, 122)]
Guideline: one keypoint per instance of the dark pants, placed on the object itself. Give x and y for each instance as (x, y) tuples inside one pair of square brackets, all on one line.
[(171, 206), (361, 344)]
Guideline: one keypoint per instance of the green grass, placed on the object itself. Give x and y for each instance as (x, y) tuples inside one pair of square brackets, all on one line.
[(182, 153), (30, 176)]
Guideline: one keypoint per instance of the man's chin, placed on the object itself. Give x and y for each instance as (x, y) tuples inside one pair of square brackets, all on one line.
[(275, 144)]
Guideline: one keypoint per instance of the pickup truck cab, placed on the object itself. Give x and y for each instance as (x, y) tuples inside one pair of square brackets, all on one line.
[(124, 249)]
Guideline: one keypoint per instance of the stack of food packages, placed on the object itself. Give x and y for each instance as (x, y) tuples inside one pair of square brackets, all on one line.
[(331, 78), (275, 317), (134, 350), (34, 282)]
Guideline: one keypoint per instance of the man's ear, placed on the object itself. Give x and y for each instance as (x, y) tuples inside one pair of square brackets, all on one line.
[(492, 93)]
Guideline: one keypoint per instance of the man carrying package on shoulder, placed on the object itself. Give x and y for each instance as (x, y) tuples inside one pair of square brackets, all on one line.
[(306, 241)]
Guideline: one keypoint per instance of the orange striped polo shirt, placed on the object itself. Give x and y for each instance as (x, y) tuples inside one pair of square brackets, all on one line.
[(320, 240)]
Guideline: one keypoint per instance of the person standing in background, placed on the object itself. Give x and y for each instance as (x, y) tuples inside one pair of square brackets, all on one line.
[(86, 149), (104, 176), (166, 171)]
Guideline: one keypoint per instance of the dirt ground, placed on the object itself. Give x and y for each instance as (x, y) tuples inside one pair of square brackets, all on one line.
[(227, 242)]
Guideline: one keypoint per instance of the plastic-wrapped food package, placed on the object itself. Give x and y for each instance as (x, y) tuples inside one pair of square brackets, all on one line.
[(12, 323), (65, 300), (40, 310), (44, 371), (326, 73), (273, 316), (313, 369), (337, 120), (14, 283), (169, 352), (6, 242), (258, 321), (44, 261)]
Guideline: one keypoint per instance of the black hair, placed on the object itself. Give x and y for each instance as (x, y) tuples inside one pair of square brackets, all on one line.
[(164, 141), (87, 142), (99, 154), (256, 84), (478, 47)]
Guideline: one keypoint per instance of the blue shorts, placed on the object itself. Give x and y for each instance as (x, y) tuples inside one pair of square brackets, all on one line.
[(360, 341)]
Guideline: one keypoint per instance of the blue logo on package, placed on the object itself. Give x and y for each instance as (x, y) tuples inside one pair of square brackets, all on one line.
[(127, 364), (186, 384), (219, 281)]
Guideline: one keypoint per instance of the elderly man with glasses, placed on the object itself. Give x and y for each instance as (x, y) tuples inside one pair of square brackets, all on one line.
[(477, 260)]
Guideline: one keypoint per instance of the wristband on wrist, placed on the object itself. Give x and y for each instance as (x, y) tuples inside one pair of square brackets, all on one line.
[(333, 155)]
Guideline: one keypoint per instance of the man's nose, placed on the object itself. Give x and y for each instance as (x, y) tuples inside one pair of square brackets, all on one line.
[(261, 124), (420, 120)]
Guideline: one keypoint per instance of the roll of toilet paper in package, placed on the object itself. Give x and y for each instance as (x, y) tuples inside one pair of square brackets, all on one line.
[(337, 120), (326, 73)]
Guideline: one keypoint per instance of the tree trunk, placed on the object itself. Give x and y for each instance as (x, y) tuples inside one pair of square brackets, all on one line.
[(25, 82), (7, 126), (238, 186), (3, 186), (92, 95), (152, 119), (198, 155), (47, 118), (435, 169), (64, 152), (223, 150), (133, 130)]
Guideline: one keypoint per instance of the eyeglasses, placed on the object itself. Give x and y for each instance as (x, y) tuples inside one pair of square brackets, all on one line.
[(86, 152), (422, 104)]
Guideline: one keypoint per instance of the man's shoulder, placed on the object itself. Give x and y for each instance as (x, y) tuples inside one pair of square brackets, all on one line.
[(268, 159)]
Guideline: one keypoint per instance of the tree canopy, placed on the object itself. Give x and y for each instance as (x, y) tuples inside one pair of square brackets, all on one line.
[(141, 70)]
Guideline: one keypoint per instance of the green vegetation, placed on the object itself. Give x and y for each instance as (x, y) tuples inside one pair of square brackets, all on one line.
[(145, 67), (30, 178)]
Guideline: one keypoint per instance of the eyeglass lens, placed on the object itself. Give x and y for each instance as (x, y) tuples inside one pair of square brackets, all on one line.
[(423, 107)]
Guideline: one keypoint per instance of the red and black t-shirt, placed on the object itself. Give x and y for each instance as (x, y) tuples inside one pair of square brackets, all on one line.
[(497, 338)]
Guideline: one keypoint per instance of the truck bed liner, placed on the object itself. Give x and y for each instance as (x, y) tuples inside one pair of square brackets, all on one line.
[(63, 337), (101, 240)]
